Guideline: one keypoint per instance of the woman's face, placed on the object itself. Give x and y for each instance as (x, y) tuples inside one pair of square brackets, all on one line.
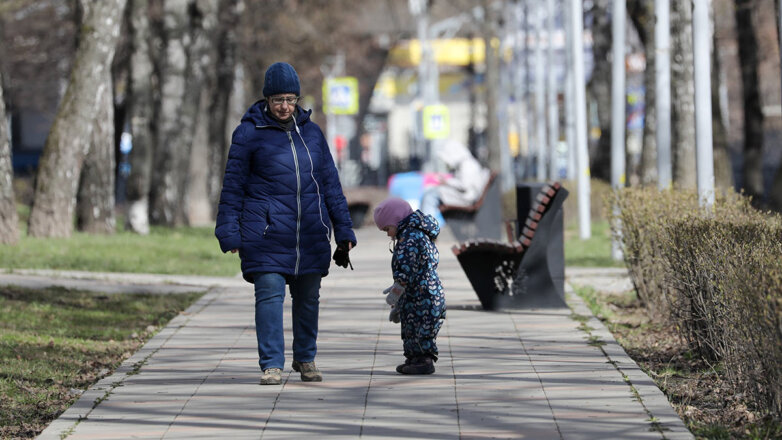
[(390, 231), (283, 105)]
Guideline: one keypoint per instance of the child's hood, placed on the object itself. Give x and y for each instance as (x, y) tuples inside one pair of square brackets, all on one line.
[(423, 222)]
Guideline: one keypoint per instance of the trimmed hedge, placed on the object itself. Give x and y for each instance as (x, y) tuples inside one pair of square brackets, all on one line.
[(717, 275)]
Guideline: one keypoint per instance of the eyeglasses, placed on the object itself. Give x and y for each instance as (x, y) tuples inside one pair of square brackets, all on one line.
[(290, 100)]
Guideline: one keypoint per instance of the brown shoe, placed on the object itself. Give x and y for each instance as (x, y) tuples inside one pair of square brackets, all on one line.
[(309, 372), (271, 376)]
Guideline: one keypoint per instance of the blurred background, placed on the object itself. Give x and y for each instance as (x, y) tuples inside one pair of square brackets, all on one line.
[(387, 80)]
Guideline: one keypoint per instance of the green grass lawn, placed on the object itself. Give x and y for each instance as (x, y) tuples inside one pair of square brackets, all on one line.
[(592, 252), (165, 251), (55, 342)]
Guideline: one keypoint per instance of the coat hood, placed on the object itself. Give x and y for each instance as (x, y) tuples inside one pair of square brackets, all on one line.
[(423, 222), (257, 115)]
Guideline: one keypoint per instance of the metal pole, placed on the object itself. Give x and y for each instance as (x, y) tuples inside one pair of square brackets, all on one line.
[(553, 104), (704, 147), (570, 109), (520, 86), (504, 112), (540, 90), (528, 129), (662, 78), (426, 94), (618, 109), (582, 155)]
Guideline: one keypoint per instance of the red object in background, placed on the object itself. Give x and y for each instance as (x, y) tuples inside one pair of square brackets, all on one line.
[(339, 144)]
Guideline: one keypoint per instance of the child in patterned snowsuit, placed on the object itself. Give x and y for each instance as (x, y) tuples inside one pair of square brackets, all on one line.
[(421, 303)]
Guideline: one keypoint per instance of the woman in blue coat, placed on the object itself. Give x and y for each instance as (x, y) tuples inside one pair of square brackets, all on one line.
[(280, 204)]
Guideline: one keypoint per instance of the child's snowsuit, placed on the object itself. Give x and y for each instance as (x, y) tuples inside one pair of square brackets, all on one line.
[(414, 264)]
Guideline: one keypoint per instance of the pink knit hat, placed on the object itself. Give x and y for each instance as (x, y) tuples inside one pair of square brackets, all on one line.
[(391, 211)]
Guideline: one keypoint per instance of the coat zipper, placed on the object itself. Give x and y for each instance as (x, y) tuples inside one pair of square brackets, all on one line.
[(298, 201)]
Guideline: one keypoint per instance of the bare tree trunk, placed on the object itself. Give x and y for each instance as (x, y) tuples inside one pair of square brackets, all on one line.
[(775, 196), (218, 109), (141, 115), (723, 170), (753, 114), (9, 220), (642, 14), (202, 82), (182, 75), (70, 136), (683, 95), (599, 87), (168, 158), (95, 199)]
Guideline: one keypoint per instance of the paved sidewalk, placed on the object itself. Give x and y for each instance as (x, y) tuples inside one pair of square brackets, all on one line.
[(521, 374)]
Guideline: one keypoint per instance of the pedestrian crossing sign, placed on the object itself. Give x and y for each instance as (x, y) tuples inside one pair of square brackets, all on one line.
[(340, 95), (437, 122)]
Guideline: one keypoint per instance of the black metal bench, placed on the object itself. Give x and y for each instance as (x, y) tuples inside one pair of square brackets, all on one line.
[(527, 271), (481, 219)]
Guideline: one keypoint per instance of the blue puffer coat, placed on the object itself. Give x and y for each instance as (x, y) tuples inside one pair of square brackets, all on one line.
[(281, 197)]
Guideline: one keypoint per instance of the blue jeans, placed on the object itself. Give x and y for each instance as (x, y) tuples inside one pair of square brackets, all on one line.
[(269, 296)]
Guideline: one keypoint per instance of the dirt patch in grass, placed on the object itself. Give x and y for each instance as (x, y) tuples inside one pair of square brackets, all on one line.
[(698, 391), (55, 343)]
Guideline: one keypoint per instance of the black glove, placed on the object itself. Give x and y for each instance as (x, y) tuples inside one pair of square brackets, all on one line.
[(341, 255)]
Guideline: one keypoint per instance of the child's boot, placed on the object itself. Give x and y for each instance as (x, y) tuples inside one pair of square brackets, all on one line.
[(417, 365), (401, 366)]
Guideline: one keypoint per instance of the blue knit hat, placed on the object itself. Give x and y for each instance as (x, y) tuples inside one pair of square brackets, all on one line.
[(281, 78)]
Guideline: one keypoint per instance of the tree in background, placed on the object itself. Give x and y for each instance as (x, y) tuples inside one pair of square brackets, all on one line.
[(186, 29), (753, 113), (775, 201), (723, 169), (226, 62), (682, 95), (599, 87), (69, 139), (642, 15), (140, 114), (95, 197), (9, 229)]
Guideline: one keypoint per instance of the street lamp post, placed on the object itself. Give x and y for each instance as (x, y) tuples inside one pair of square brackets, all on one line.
[(618, 109), (579, 88), (552, 89), (540, 89)]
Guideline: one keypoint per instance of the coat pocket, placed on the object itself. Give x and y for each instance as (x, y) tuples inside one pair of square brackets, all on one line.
[(254, 221)]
